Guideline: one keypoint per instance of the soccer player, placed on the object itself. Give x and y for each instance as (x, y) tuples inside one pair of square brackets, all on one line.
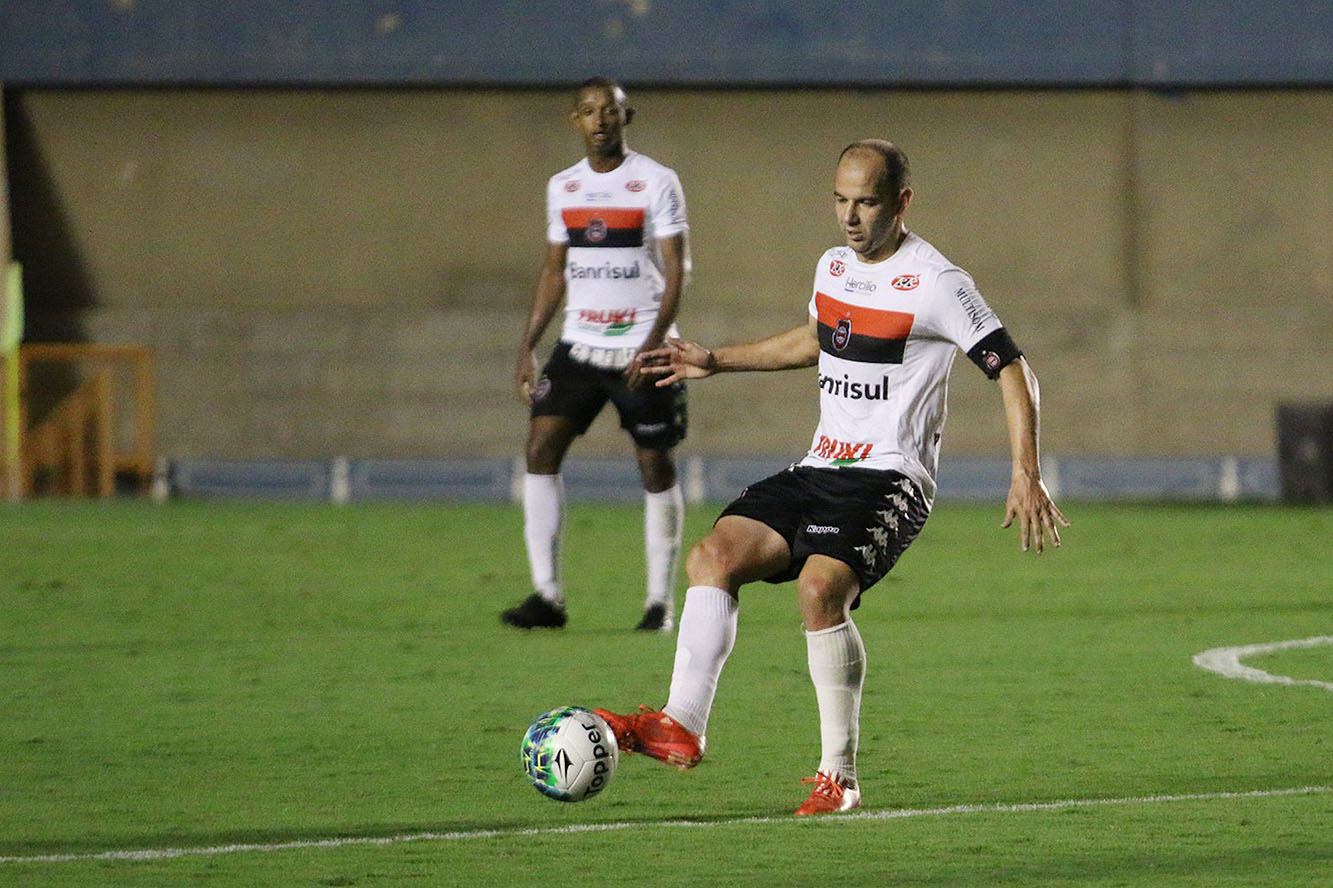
[(617, 256), (887, 316)]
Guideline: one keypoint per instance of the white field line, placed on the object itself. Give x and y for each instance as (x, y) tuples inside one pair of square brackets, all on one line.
[(1227, 661), (468, 835)]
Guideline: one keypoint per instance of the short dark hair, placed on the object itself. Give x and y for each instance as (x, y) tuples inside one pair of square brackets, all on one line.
[(897, 173), (600, 82)]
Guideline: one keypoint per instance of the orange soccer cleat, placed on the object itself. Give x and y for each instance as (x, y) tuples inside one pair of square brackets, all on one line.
[(830, 794), (656, 735)]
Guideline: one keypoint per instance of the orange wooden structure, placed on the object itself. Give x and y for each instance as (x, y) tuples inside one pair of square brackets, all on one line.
[(92, 435)]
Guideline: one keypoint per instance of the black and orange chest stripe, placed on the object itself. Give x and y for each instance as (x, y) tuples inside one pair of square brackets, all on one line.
[(858, 333), (603, 226)]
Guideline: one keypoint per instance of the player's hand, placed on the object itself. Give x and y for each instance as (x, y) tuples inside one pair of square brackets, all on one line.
[(679, 359), (634, 375), (1037, 515), (525, 374)]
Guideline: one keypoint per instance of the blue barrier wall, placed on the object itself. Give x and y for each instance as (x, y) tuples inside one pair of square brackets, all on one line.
[(686, 42)]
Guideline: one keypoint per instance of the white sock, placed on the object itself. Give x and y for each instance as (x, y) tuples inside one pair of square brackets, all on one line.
[(543, 515), (663, 523), (703, 642), (837, 659)]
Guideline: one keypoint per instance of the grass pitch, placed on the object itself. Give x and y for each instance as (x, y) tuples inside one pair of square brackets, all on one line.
[(243, 695)]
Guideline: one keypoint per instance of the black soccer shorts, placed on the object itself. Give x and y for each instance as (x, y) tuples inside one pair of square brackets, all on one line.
[(656, 418), (865, 518)]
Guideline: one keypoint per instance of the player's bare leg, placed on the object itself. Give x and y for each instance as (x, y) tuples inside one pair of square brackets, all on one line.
[(549, 438), (663, 525), (836, 657)]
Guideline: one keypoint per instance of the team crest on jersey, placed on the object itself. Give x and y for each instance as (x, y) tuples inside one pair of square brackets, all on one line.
[(842, 334), (596, 231), (636, 186), (572, 185), (837, 268), (906, 282)]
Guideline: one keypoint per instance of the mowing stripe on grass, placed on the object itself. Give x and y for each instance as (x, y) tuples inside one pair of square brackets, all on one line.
[(466, 835), (1227, 661)]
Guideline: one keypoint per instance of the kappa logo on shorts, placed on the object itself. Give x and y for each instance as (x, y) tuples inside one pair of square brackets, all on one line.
[(822, 529), (541, 389), (906, 282), (843, 334), (837, 268), (572, 185)]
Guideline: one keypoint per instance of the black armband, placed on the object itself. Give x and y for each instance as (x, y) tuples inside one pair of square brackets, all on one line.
[(994, 352)]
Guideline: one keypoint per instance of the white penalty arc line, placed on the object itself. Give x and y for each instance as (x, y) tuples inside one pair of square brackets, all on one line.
[(1226, 661), (150, 854)]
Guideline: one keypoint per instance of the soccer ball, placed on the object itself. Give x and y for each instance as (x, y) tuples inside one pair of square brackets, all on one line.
[(570, 754)]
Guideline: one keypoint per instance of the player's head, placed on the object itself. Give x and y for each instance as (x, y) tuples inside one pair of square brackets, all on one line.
[(870, 194), (600, 114)]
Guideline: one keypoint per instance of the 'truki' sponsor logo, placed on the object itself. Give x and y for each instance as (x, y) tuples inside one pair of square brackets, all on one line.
[(608, 321), (841, 452), (906, 282)]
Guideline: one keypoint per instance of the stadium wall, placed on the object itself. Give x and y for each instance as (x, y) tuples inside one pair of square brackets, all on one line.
[(683, 42), (343, 272)]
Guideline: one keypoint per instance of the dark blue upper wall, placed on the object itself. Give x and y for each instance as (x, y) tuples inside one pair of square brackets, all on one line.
[(763, 42)]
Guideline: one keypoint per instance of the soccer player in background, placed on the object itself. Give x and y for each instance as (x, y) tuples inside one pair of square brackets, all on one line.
[(886, 318), (617, 256)]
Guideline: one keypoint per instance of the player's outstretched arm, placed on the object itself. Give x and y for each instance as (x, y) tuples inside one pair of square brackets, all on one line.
[(1028, 499), (684, 359)]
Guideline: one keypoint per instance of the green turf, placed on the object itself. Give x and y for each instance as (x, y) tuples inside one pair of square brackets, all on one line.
[(200, 675)]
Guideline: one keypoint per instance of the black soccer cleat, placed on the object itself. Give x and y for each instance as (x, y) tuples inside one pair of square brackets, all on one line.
[(656, 619), (535, 613)]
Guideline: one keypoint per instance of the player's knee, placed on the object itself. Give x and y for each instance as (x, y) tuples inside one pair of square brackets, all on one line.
[(657, 468), (710, 561), (823, 595), (542, 459)]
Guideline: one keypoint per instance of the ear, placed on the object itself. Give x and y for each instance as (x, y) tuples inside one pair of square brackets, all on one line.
[(629, 116), (903, 200)]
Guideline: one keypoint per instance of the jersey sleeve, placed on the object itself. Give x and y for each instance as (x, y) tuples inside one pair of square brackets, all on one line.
[(556, 233), (965, 319), (668, 206)]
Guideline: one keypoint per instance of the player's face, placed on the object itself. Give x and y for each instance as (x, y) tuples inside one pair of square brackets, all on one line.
[(871, 218), (600, 116)]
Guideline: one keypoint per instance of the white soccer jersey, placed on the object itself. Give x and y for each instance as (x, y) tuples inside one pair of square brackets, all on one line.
[(611, 222), (888, 334)]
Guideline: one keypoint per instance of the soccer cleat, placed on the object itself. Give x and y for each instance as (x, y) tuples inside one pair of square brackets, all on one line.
[(830, 794), (656, 735), (656, 619), (535, 613)]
